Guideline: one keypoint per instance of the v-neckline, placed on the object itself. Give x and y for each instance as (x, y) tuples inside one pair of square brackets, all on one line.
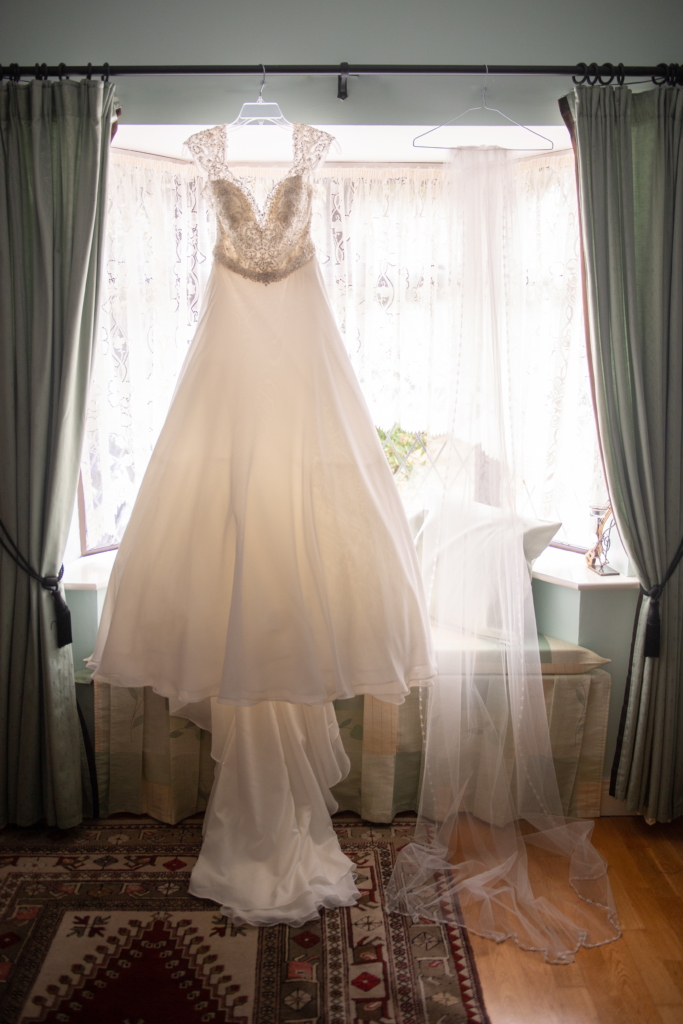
[(262, 214)]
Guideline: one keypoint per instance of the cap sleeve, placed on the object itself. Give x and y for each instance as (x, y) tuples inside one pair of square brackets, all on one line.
[(208, 150), (315, 145)]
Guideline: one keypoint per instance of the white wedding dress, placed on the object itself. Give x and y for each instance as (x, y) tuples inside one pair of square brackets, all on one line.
[(268, 567)]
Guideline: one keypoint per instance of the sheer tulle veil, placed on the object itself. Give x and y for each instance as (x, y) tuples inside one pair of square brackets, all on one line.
[(493, 849)]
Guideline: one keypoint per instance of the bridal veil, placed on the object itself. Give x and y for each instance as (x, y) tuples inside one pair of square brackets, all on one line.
[(493, 849)]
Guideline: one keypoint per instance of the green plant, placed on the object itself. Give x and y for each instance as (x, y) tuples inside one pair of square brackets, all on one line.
[(404, 449)]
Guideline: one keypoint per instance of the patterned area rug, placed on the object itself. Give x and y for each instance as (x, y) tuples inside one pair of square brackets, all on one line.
[(96, 925)]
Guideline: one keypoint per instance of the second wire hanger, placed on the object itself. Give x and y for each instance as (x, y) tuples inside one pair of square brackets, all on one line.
[(493, 110)]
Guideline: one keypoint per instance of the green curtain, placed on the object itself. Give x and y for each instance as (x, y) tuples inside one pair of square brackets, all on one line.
[(629, 150), (54, 142)]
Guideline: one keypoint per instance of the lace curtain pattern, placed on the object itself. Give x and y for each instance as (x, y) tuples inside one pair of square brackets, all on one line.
[(158, 256), (556, 436), (381, 240)]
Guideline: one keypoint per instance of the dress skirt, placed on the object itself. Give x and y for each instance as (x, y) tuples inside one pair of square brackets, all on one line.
[(268, 555), (267, 570)]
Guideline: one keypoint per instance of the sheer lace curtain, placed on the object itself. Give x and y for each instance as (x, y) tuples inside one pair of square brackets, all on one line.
[(382, 240), (560, 469), (383, 237), (157, 260)]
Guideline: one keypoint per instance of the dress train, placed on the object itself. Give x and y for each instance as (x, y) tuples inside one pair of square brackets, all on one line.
[(270, 854)]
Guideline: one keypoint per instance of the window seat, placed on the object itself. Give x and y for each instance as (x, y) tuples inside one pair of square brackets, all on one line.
[(150, 762)]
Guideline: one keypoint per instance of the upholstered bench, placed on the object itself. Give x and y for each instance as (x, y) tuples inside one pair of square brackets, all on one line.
[(384, 742), (151, 762)]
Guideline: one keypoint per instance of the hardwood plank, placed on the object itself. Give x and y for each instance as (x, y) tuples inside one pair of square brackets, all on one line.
[(662, 886), (504, 996), (666, 853), (667, 856), (581, 1009), (626, 829), (660, 984), (626, 909), (669, 917), (521, 988), (605, 831), (617, 988), (660, 918), (634, 832), (621, 863), (674, 878), (670, 1015), (675, 969), (568, 976), (636, 980)]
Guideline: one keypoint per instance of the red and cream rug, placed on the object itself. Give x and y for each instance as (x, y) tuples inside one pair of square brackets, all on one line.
[(96, 925)]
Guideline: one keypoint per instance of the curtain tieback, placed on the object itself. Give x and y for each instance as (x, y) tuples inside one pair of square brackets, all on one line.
[(49, 583), (653, 627)]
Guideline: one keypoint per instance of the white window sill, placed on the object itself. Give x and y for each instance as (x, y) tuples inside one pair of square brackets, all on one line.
[(91, 572), (565, 568), (568, 569)]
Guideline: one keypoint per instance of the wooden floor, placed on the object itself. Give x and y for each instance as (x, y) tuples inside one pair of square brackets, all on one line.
[(636, 980)]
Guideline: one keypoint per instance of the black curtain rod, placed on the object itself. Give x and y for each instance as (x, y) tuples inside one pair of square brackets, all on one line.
[(590, 73)]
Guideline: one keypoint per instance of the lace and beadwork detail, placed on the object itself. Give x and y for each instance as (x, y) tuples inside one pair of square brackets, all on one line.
[(265, 246), (270, 244)]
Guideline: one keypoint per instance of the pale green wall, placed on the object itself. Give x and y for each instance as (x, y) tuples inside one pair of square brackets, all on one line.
[(329, 31), (86, 608), (557, 610), (602, 621), (85, 616)]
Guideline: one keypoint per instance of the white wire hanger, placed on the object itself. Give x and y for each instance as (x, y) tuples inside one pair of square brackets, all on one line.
[(260, 112), (493, 110)]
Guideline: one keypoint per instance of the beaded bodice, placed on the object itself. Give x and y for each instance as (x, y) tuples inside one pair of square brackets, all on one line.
[(269, 244)]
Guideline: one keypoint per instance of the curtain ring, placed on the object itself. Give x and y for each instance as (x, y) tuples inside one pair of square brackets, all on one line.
[(2, 73), (620, 75), (37, 72), (590, 73), (14, 72), (89, 72), (61, 71), (661, 78), (584, 74), (105, 76), (608, 81), (43, 72)]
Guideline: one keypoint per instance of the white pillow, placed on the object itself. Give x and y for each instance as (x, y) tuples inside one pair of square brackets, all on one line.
[(466, 549), (537, 535)]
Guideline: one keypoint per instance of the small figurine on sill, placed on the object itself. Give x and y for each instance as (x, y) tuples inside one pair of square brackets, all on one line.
[(596, 557)]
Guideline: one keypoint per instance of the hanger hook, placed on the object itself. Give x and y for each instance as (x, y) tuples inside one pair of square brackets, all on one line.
[(263, 84)]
